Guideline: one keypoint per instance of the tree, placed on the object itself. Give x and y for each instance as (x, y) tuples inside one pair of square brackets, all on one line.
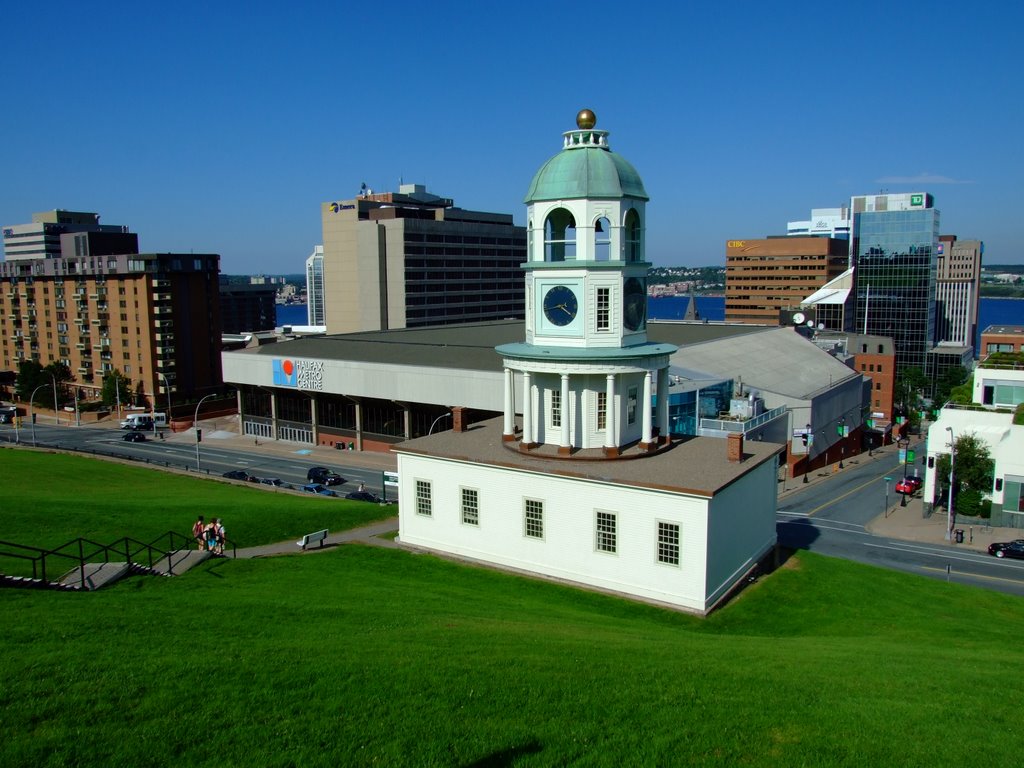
[(60, 373), (949, 381), (140, 397), (973, 471), (909, 384), (964, 393), (117, 388), (30, 376)]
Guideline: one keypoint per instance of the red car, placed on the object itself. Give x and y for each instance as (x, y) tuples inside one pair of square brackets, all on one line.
[(909, 485)]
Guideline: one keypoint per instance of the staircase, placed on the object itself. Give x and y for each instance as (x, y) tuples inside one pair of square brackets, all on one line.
[(97, 565)]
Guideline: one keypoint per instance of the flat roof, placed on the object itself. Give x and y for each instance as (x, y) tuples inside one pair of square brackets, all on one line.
[(469, 346), (695, 466)]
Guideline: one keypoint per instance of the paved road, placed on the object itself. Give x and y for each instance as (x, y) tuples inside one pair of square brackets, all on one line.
[(849, 514)]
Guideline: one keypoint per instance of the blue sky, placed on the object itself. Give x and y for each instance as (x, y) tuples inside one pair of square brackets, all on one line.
[(221, 127)]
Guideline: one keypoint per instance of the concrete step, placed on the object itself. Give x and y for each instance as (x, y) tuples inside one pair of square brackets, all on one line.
[(179, 561), (96, 575)]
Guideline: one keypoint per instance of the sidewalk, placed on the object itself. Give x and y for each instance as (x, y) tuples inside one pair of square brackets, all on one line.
[(908, 523), (368, 534)]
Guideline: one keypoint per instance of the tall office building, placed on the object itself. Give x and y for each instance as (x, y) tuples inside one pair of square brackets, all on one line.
[(154, 317), (41, 239), (315, 287), (410, 258), (247, 307), (824, 222), (958, 284), (764, 277), (894, 249)]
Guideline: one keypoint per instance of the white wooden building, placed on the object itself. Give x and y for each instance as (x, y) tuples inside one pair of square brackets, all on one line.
[(585, 485)]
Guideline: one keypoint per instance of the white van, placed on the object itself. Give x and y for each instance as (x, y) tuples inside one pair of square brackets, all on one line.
[(144, 421)]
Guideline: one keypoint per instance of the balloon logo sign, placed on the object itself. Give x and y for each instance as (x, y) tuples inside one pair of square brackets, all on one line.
[(284, 373)]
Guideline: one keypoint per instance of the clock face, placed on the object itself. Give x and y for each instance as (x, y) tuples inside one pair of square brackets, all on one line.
[(560, 305), (634, 304)]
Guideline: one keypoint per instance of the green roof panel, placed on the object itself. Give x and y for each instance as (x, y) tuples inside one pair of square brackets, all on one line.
[(586, 172)]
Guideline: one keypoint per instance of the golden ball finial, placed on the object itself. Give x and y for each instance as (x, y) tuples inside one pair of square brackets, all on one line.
[(585, 119)]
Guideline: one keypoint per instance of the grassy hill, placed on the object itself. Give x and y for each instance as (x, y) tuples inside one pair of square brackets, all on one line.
[(363, 656)]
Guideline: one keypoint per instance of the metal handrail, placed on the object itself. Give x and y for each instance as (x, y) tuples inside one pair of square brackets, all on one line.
[(121, 546)]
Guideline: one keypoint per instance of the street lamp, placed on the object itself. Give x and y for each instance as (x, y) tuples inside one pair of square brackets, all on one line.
[(950, 515), (32, 413), (167, 384), (195, 425), (808, 440), (431, 430)]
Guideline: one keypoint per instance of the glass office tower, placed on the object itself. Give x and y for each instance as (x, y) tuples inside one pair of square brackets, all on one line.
[(895, 253)]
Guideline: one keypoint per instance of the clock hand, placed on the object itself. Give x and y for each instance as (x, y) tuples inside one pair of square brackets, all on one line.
[(565, 309)]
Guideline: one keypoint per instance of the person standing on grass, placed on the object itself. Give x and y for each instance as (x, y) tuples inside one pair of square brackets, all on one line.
[(210, 534), (218, 529), (197, 532)]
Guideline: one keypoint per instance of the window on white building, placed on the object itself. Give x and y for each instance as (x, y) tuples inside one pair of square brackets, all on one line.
[(423, 500), (606, 532), (604, 309), (602, 410), (470, 506), (556, 408), (631, 405), (668, 543), (534, 519)]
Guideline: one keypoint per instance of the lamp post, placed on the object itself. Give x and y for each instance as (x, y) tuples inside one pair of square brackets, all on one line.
[(56, 419), (195, 426), (167, 384), (808, 441), (431, 430), (32, 413), (950, 515)]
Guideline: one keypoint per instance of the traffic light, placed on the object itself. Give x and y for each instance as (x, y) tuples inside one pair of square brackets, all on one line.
[(199, 435), (804, 438)]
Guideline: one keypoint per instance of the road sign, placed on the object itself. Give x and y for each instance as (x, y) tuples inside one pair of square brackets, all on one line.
[(391, 478), (888, 479)]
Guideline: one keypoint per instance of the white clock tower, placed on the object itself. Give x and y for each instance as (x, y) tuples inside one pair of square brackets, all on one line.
[(588, 372)]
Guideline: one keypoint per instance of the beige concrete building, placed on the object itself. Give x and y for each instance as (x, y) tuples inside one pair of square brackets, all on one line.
[(154, 317), (408, 259), (957, 289), (765, 276)]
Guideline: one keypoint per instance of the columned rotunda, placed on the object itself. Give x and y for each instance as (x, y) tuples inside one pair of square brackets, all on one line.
[(588, 372)]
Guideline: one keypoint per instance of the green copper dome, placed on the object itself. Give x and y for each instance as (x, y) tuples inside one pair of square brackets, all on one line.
[(586, 168)]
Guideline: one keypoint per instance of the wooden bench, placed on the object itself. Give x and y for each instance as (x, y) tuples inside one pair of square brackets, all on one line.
[(311, 538)]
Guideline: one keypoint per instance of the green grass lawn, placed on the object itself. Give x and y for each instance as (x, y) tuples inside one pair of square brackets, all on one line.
[(367, 656), (50, 498)]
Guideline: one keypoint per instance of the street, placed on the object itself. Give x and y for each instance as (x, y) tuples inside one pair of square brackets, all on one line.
[(832, 515)]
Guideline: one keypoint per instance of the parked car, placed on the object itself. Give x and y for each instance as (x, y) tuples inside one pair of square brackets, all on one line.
[(318, 489), (275, 481), (133, 437), (239, 474), (1013, 549), (324, 476), (909, 485), (366, 496)]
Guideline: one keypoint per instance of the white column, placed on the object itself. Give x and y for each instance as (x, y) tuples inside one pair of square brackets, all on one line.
[(527, 409), (647, 436), (663, 403), (510, 416), (609, 412), (566, 411)]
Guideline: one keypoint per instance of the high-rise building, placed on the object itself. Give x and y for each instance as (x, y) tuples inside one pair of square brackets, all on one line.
[(41, 239), (894, 249), (154, 317), (315, 287), (824, 222), (958, 284), (247, 307), (410, 258), (764, 277)]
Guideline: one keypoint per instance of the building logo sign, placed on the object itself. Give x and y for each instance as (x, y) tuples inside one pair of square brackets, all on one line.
[(335, 207), (299, 374), (917, 199)]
